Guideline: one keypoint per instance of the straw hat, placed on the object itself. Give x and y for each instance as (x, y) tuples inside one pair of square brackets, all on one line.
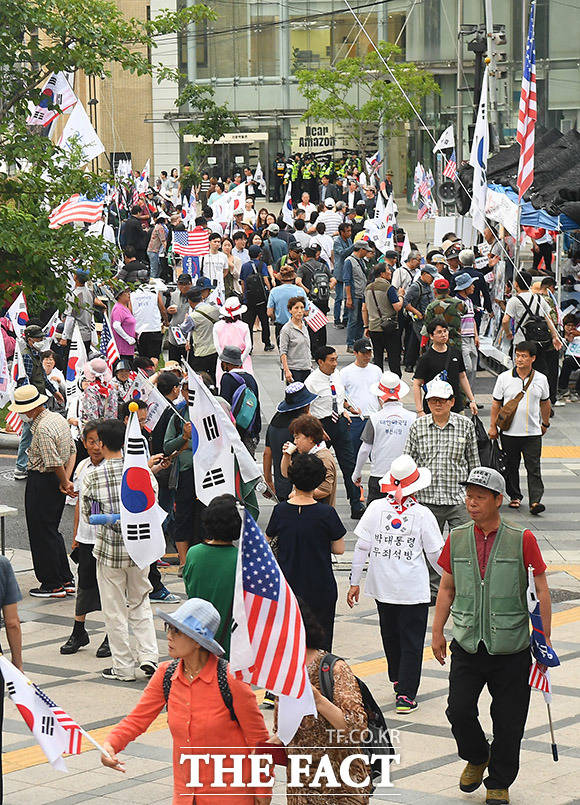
[(26, 398)]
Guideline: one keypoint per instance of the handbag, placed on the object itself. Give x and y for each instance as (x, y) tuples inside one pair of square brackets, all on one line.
[(505, 415), (483, 441), (391, 325)]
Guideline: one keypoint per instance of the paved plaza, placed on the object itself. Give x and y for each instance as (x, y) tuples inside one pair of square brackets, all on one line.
[(429, 768)]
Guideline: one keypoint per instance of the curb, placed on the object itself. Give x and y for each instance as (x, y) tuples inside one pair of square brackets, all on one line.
[(9, 440)]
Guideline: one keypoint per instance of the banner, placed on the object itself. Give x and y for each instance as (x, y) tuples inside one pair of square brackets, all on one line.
[(141, 515)]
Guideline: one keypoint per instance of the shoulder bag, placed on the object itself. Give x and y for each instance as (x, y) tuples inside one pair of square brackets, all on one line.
[(506, 413)]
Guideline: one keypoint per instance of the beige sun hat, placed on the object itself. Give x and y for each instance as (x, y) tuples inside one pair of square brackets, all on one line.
[(26, 398)]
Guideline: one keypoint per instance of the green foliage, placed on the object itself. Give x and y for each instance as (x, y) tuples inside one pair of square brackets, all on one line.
[(38, 37), (360, 94)]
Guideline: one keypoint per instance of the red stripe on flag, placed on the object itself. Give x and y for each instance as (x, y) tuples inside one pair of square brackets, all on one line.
[(266, 635), (291, 673), (279, 652)]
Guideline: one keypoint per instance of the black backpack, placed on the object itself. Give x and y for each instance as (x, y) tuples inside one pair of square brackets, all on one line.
[(320, 291), (255, 288), (376, 738), (536, 327), (222, 677)]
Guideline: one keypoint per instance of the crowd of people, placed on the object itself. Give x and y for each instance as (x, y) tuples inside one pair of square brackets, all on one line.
[(263, 277)]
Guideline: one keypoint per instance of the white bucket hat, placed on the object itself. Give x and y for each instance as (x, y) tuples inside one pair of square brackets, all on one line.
[(232, 307), (390, 387), (404, 478)]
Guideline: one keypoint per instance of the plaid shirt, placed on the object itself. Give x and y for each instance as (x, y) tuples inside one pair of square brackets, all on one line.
[(52, 444), (101, 494), (450, 453)]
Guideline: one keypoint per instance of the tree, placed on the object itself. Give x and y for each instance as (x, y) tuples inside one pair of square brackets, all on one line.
[(37, 38), (360, 94)]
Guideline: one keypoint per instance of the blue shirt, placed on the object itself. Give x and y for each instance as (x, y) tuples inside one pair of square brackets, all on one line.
[(279, 297), (248, 269), (342, 249)]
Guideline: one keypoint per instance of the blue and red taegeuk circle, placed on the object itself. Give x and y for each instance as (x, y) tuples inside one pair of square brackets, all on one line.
[(137, 493)]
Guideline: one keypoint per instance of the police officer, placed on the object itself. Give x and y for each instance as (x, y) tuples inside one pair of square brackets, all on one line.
[(485, 580), (279, 172)]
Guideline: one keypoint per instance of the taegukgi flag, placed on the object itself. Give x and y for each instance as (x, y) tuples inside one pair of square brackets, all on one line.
[(18, 315), (478, 160), (141, 515)]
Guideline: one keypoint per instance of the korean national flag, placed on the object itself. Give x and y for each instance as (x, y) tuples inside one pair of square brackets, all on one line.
[(141, 515)]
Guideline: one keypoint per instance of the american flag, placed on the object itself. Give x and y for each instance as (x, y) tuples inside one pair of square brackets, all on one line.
[(424, 188), (107, 345), (450, 170), (77, 209), (540, 679), (316, 319), (191, 244), (422, 211), (268, 645), (528, 113), (14, 422), (75, 733)]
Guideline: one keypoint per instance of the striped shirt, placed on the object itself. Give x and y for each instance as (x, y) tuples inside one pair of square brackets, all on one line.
[(52, 444)]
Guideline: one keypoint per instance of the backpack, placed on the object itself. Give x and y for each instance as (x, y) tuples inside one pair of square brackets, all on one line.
[(222, 677), (244, 404), (376, 738), (536, 327), (320, 291), (255, 289)]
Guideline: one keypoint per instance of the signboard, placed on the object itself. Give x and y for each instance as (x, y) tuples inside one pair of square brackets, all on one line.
[(318, 137)]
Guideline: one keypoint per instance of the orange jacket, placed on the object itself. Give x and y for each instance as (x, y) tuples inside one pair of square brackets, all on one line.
[(199, 723)]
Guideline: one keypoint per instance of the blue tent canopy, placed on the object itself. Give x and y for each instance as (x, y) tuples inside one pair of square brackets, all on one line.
[(530, 216)]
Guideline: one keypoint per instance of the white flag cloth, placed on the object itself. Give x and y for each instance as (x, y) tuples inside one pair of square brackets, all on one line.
[(52, 324), (41, 719), (236, 200), (192, 211), (447, 140), (478, 160), (141, 515), (79, 129), (18, 314), (5, 380), (156, 405), (259, 178), (77, 357), (214, 443), (56, 91), (406, 250), (287, 206)]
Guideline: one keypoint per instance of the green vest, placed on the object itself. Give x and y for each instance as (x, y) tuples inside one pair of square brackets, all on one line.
[(36, 376), (493, 609)]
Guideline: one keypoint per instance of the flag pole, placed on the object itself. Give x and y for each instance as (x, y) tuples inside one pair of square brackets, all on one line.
[(554, 745)]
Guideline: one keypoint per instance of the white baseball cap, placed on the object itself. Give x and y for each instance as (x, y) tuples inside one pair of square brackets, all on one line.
[(329, 202), (439, 388)]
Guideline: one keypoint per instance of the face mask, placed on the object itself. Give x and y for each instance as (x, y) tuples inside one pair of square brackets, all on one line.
[(41, 346)]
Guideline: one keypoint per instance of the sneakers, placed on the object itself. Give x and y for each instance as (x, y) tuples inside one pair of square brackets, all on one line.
[(70, 588), (357, 513), (148, 667), (269, 348), (104, 650), (75, 642), (405, 705), (110, 673), (269, 699), (163, 596), (395, 686), (350, 350), (44, 592), (497, 796), (472, 776), (20, 475)]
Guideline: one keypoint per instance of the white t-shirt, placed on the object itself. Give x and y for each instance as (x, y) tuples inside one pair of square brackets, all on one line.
[(394, 539), (146, 310), (357, 382), (387, 432), (527, 420), (213, 267), (516, 309), (319, 383), (326, 245), (86, 533)]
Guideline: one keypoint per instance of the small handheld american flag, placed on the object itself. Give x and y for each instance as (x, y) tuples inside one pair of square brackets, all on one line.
[(316, 319), (191, 244), (450, 170), (107, 345)]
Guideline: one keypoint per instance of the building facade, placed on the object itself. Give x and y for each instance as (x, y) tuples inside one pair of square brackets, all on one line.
[(251, 52)]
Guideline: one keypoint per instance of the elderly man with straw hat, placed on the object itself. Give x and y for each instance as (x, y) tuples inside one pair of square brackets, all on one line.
[(395, 534), (51, 458), (385, 433)]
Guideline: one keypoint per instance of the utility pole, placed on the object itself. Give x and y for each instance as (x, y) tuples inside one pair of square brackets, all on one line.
[(492, 75), (459, 121)]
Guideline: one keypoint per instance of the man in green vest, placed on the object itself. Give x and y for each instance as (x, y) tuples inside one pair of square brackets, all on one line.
[(484, 586)]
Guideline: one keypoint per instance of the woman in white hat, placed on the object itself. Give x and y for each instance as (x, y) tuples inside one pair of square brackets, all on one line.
[(232, 331), (385, 433), (208, 710), (395, 534)]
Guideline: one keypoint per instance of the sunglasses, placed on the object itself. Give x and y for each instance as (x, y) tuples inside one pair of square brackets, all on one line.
[(172, 630)]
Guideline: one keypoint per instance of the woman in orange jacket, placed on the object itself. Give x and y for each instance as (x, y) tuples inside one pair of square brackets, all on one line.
[(201, 719)]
